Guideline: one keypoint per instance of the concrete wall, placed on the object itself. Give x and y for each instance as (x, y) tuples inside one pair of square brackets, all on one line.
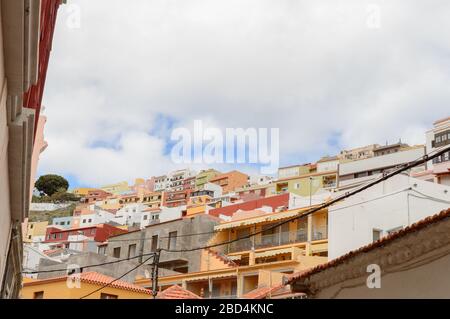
[(383, 207), (90, 258), (5, 217), (428, 279), (143, 241)]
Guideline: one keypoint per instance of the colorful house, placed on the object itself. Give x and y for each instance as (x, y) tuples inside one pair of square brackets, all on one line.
[(200, 202), (204, 177), (80, 285), (33, 230), (152, 199), (233, 270), (305, 236), (116, 189), (307, 184), (230, 181)]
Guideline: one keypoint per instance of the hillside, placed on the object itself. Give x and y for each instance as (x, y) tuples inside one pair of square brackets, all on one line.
[(39, 216)]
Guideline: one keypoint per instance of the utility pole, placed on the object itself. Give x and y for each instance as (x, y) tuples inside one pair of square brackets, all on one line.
[(310, 191), (155, 272)]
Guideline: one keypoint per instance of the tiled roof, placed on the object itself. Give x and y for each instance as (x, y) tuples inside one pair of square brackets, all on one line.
[(95, 278), (262, 292), (280, 291), (176, 292), (377, 244)]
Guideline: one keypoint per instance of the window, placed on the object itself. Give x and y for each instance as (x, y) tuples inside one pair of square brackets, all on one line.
[(131, 250), (31, 226), (93, 231), (89, 220), (172, 240), (29, 236), (116, 252), (376, 234), (108, 296), (102, 250), (84, 220), (54, 236), (145, 217), (297, 186), (154, 242), (38, 295), (60, 235)]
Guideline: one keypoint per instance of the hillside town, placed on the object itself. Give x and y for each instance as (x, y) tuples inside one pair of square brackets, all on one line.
[(371, 221), (183, 209)]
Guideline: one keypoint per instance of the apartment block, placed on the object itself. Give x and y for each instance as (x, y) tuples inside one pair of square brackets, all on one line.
[(230, 181)]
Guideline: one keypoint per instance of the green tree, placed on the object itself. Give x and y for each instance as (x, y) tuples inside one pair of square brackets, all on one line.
[(51, 183)]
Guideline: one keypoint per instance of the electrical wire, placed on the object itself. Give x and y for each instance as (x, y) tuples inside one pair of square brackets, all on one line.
[(384, 177), (87, 266), (118, 278), (402, 168)]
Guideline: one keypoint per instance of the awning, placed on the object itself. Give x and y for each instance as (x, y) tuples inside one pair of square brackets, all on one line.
[(251, 221), (274, 252), (201, 278)]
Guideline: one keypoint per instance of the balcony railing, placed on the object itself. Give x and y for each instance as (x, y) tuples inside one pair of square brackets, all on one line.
[(271, 240), (319, 233)]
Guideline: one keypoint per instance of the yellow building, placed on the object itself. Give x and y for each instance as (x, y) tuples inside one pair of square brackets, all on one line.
[(34, 229), (82, 191), (306, 184), (235, 269), (152, 199), (200, 201), (117, 188), (77, 287)]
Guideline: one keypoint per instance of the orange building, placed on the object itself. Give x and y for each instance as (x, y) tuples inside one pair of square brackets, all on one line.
[(80, 285), (230, 181)]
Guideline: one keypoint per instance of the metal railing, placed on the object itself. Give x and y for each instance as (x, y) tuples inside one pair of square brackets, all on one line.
[(270, 240), (319, 233)]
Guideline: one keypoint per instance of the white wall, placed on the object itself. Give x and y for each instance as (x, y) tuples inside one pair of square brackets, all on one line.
[(385, 206), (327, 166), (377, 162)]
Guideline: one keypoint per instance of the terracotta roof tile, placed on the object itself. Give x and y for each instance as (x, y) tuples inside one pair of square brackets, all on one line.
[(176, 292), (95, 278), (377, 244)]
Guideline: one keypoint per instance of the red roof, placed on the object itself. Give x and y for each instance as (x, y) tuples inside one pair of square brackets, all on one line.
[(273, 201), (94, 278), (377, 244), (176, 292)]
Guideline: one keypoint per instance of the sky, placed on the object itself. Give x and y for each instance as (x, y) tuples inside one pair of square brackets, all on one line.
[(330, 75)]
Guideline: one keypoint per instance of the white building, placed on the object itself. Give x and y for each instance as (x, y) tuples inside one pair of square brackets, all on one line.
[(161, 183), (384, 208), (438, 170), (98, 216), (31, 259), (360, 171), (176, 179), (161, 215), (259, 180), (130, 214)]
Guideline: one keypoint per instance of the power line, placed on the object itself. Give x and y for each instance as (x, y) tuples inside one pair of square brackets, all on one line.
[(402, 168), (87, 266), (118, 278)]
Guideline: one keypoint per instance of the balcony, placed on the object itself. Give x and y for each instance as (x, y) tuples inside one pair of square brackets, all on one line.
[(319, 233), (271, 240)]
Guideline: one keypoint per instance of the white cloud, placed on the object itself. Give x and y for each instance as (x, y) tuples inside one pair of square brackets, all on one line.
[(316, 71)]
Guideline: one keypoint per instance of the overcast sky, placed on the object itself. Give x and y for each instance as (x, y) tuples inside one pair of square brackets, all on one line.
[(330, 74)]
